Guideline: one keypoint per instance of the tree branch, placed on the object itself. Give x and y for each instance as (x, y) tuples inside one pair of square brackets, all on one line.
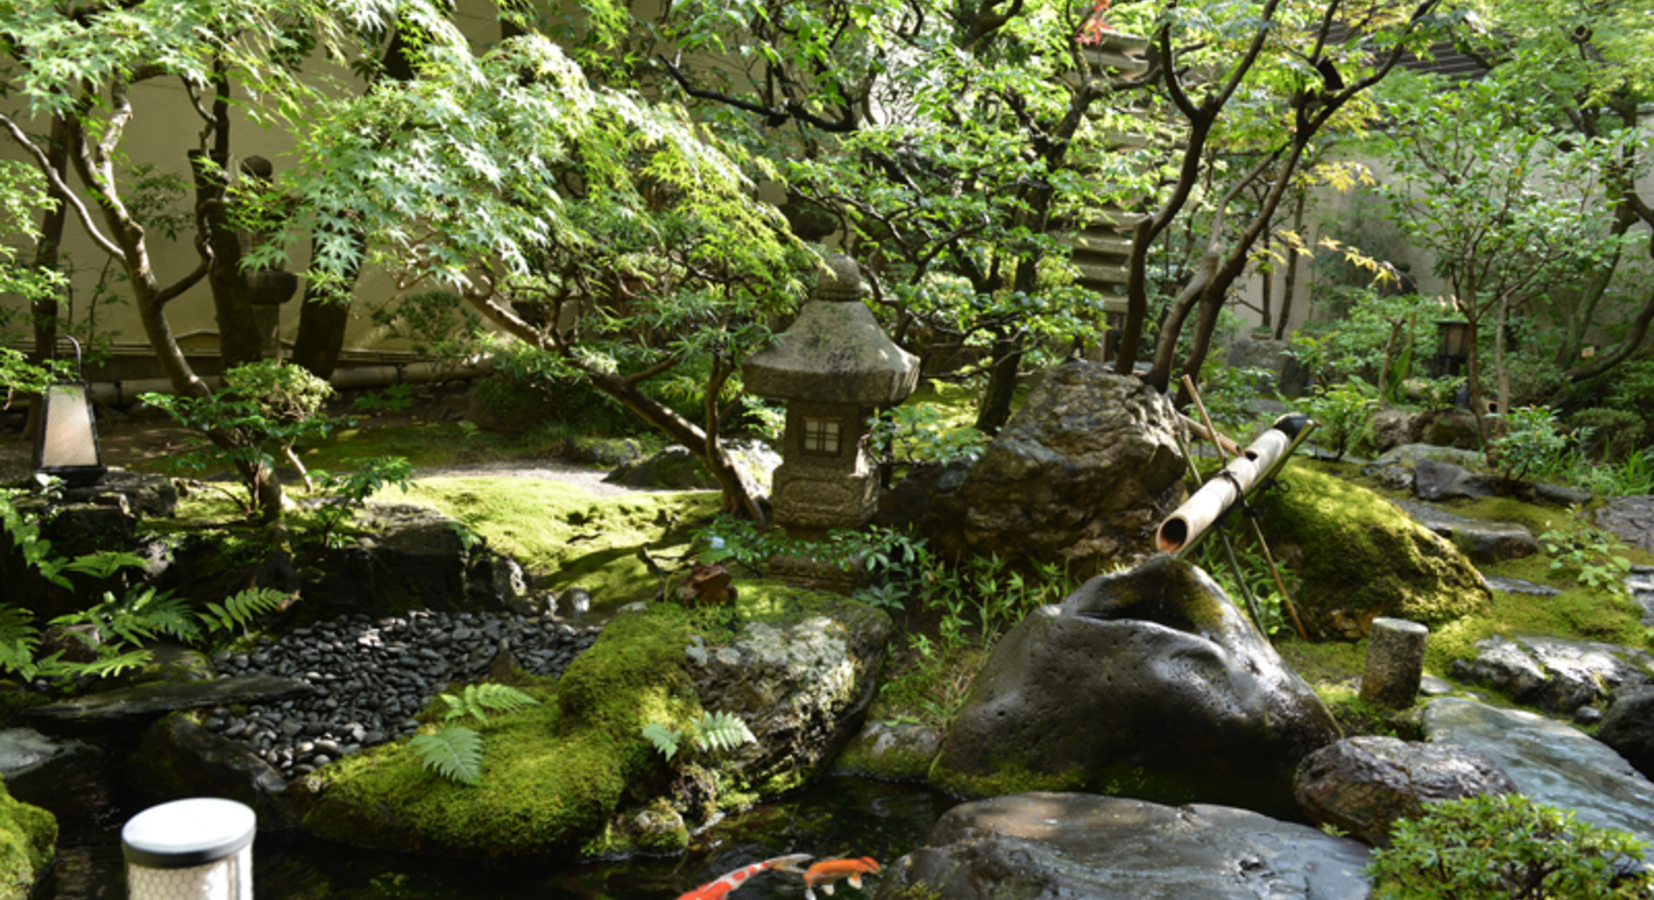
[(52, 175)]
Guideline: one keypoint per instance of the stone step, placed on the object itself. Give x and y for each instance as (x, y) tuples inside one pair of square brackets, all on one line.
[(1117, 58)]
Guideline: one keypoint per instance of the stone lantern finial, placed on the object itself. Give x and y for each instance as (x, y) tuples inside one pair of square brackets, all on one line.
[(841, 283)]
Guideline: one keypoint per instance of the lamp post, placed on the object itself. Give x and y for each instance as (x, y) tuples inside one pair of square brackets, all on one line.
[(67, 445), (1451, 353)]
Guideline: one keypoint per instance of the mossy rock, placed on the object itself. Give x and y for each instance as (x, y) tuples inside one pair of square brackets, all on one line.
[(28, 840), (572, 777), (1360, 556)]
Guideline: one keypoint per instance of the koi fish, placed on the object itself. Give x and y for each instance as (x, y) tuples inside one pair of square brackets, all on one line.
[(719, 889), (828, 871)]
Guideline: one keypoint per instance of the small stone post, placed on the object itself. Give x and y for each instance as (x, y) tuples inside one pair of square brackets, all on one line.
[(1395, 663)]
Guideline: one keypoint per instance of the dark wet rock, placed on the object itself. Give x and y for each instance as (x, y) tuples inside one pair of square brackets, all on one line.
[(133, 707), (1287, 375), (1086, 847), (675, 468), (1149, 683), (1628, 726), (23, 750), (178, 758), (1561, 494), (1640, 583), (1518, 586), (1481, 541), (1557, 675), (1631, 519), (1391, 428), (1448, 428), (802, 687), (1550, 762), (1364, 785), (603, 451), (1080, 476), (891, 750), (142, 494), (1434, 480)]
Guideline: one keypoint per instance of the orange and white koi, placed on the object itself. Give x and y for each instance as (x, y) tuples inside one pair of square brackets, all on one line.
[(719, 889), (827, 871)]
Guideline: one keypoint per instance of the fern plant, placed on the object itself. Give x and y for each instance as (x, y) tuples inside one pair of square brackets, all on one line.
[(240, 610), (454, 751), (715, 732)]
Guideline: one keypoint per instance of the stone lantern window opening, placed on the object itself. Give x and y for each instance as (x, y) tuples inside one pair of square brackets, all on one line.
[(822, 436)]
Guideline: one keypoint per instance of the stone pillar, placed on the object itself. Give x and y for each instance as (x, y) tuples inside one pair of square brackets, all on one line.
[(1395, 663)]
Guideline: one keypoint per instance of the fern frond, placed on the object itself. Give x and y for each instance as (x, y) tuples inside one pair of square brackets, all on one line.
[(664, 737), (17, 655), (164, 613), (454, 752), (480, 699), (109, 666), (17, 624), (723, 731), (240, 609)]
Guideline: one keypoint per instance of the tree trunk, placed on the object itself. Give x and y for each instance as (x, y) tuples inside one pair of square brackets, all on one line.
[(1002, 384), (238, 337), (44, 311), (1289, 286), (322, 321)]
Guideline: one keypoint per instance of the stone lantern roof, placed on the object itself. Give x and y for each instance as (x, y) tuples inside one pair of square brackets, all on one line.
[(835, 351)]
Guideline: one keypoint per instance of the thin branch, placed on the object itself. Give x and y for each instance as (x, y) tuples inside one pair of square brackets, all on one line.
[(104, 243)]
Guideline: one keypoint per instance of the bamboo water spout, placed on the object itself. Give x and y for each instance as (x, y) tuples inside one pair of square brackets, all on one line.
[(1184, 528)]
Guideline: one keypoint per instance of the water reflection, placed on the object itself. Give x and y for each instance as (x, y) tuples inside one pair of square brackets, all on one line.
[(836, 817)]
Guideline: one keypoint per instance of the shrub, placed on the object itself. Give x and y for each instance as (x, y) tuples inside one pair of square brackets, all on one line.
[(1507, 846), (1613, 434), (1341, 413), (1531, 446)]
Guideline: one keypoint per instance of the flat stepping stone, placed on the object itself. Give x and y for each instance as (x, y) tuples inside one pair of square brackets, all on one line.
[(1518, 586), (133, 707), (1631, 519), (1550, 762), (1478, 539)]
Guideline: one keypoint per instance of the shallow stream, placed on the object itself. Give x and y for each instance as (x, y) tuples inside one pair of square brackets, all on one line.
[(835, 817)]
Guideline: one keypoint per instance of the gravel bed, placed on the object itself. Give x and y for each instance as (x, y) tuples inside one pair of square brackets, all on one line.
[(373, 675)]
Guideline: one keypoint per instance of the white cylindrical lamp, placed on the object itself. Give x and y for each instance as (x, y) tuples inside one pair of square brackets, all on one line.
[(195, 849)]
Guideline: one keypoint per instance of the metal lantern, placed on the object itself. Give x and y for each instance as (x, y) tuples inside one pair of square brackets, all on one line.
[(67, 444), (199, 849), (1452, 339)]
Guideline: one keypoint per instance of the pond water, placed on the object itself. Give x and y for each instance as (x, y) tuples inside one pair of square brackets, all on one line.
[(837, 816)]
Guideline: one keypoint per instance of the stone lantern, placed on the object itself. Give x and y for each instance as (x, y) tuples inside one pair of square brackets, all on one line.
[(832, 368)]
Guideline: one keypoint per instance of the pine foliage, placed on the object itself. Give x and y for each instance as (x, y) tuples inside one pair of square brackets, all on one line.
[(454, 752)]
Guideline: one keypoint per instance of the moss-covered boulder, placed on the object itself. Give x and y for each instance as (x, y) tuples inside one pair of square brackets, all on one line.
[(576, 776), (1147, 683), (28, 839), (1361, 556)]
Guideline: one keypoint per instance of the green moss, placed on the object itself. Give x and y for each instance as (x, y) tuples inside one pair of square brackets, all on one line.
[(1359, 554), (564, 531), (553, 776), (1006, 778), (28, 839)]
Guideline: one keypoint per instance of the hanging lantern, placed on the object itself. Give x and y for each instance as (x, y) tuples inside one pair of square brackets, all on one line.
[(67, 445)]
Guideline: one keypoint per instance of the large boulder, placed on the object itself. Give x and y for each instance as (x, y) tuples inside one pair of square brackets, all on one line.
[(1085, 847), (28, 840), (1628, 726), (1361, 556), (575, 776), (1147, 683), (1081, 475), (1550, 762), (1364, 785), (1557, 675)]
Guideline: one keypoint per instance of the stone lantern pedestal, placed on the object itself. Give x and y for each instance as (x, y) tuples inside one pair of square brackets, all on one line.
[(832, 368)]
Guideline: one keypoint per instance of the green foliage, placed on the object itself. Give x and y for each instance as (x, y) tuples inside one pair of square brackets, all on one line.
[(1588, 552), (1531, 445), (715, 732), (665, 739), (922, 433), (263, 409), (350, 492), (722, 731), (1631, 476), (454, 752), (239, 610), (477, 700), (394, 398), (1228, 392), (1609, 434), (140, 614), (1505, 847), (1342, 413), (436, 322)]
